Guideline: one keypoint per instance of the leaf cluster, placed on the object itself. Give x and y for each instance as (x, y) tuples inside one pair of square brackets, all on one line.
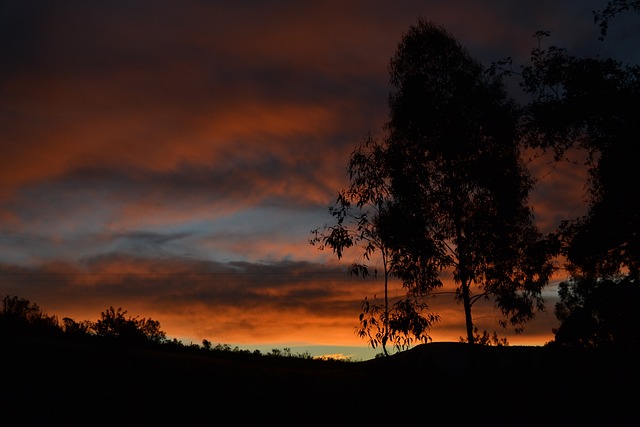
[(614, 7), (596, 313), (114, 324), (404, 324), (590, 106)]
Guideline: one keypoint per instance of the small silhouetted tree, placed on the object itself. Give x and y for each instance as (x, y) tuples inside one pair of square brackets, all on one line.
[(151, 330), (76, 329), (20, 316), (114, 324), (361, 218)]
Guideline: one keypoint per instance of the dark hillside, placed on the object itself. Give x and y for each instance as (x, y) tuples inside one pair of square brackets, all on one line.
[(95, 384), (525, 385), (45, 380)]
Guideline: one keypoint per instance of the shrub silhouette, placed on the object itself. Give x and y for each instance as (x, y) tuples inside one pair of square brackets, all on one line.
[(19, 316), (114, 324), (599, 313)]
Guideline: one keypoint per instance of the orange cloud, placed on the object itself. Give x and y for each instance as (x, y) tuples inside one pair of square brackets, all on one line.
[(560, 191)]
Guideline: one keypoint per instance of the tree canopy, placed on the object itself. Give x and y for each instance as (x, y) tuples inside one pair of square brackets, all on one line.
[(455, 191), (114, 324), (456, 171), (590, 106), (599, 313)]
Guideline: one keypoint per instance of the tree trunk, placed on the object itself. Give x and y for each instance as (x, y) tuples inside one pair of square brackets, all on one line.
[(466, 300), (386, 303)]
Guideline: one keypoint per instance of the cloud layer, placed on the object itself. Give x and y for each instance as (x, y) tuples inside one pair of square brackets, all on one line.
[(172, 158)]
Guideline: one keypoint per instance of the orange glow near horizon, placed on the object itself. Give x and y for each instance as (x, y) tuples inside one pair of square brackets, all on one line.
[(278, 309)]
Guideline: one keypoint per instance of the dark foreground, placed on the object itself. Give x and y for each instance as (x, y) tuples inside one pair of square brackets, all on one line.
[(433, 384)]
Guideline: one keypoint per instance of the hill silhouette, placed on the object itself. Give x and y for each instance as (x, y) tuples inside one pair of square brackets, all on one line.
[(47, 380)]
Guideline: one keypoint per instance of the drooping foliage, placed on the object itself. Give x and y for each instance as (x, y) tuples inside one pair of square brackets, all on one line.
[(362, 220)]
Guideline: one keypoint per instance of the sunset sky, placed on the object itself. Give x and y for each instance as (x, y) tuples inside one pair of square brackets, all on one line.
[(172, 157)]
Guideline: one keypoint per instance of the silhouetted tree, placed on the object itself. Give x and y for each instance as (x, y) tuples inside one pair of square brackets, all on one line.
[(360, 212), (447, 190), (114, 324), (151, 330), (599, 313), (459, 187), (591, 105), (77, 329), (20, 316)]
